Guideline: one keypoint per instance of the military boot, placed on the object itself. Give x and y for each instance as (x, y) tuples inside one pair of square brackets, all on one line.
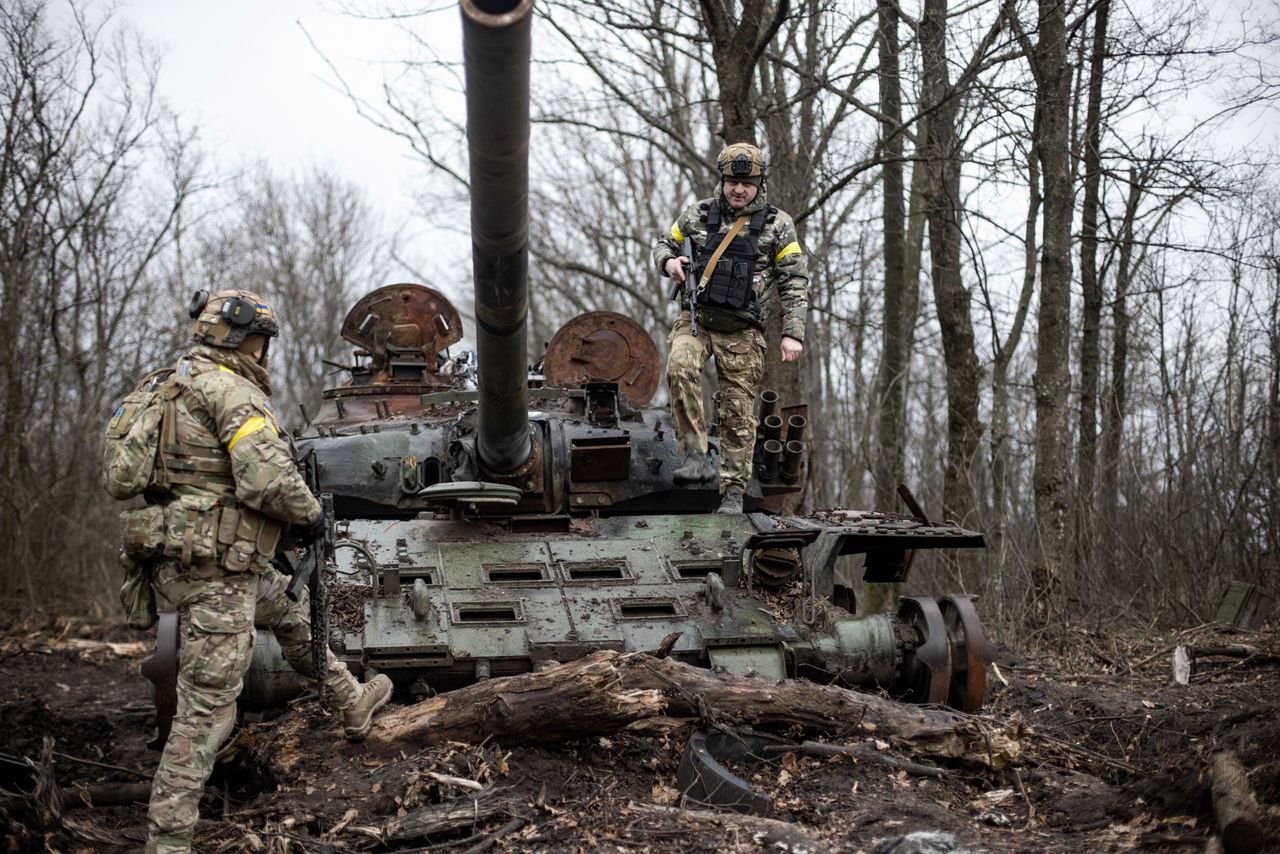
[(731, 501), (696, 468), (358, 720)]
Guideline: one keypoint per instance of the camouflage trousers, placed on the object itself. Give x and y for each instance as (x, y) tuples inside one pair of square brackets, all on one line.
[(217, 614), (739, 358)]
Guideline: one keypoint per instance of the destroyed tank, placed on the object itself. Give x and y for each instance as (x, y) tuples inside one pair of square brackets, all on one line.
[(489, 518)]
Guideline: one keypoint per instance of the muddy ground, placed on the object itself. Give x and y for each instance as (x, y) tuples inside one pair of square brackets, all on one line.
[(1113, 759)]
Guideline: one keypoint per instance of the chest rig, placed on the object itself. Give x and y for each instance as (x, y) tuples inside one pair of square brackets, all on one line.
[(729, 284)]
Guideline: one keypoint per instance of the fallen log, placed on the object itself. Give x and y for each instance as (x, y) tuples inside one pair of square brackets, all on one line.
[(606, 691), (1234, 805), (798, 704), (579, 699)]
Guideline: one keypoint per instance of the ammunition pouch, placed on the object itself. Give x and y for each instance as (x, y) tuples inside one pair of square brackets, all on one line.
[(191, 523), (244, 533), (722, 321), (142, 533), (136, 594), (730, 282), (194, 529)]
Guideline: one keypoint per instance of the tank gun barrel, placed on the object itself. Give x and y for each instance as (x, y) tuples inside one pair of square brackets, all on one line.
[(496, 54)]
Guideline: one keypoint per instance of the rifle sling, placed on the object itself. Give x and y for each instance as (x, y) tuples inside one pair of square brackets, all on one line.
[(724, 244)]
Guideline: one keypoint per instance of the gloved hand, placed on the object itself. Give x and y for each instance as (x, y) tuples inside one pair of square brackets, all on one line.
[(282, 565), (307, 534)]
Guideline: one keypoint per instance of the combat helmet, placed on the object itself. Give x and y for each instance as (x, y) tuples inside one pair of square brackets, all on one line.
[(741, 160), (228, 317)]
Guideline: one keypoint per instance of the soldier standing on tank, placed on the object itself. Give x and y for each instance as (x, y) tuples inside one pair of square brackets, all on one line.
[(744, 248), (225, 453)]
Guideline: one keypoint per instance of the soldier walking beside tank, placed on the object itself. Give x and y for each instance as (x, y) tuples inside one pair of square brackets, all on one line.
[(224, 493), (743, 249)]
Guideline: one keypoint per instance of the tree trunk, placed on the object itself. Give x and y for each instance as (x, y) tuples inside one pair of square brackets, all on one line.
[(790, 134), (1234, 805), (607, 690), (1052, 380), (1271, 453), (575, 700), (895, 354), (1115, 404), (735, 47), (962, 478), (1000, 390), (1091, 288)]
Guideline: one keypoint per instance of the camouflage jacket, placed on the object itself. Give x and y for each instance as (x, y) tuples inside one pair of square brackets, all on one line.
[(225, 405), (781, 263)]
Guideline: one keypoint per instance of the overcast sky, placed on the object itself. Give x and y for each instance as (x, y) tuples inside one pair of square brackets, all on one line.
[(244, 70)]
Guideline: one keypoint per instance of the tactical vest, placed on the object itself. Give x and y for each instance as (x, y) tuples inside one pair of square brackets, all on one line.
[(196, 459), (200, 526), (730, 283)]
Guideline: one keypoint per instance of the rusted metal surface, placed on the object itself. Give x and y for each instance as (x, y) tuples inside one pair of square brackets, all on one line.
[(970, 652), (401, 328), (774, 567), (604, 345)]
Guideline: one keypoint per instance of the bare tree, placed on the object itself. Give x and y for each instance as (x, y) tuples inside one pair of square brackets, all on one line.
[(895, 352), (311, 243), (92, 178), (1049, 66), (1091, 289)]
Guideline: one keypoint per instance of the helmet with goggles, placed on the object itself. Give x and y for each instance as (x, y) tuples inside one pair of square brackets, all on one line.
[(227, 318)]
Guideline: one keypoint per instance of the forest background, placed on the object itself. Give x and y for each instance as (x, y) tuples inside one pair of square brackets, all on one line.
[(1042, 237)]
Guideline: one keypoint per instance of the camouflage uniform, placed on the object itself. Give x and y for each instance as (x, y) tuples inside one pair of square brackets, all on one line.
[(224, 405), (223, 410), (739, 349)]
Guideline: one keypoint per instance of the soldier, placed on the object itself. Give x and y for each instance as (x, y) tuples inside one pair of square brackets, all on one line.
[(743, 249), (224, 462)]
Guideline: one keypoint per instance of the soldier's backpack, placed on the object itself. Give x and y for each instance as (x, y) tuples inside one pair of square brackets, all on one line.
[(133, 437)]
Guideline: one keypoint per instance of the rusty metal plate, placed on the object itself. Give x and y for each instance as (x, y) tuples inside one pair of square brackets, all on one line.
[(402, 318), (604, 346), (970, 652)]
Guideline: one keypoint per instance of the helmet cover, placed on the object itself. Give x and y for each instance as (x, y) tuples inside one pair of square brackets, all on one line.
[(741, 161), (228, 317)]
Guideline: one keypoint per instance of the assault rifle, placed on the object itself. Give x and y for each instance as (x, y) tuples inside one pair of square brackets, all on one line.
[(313, 573), (688, 248)]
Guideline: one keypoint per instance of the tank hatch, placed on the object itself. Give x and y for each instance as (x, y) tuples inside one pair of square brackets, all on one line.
[(400, 329), (604, 346)]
